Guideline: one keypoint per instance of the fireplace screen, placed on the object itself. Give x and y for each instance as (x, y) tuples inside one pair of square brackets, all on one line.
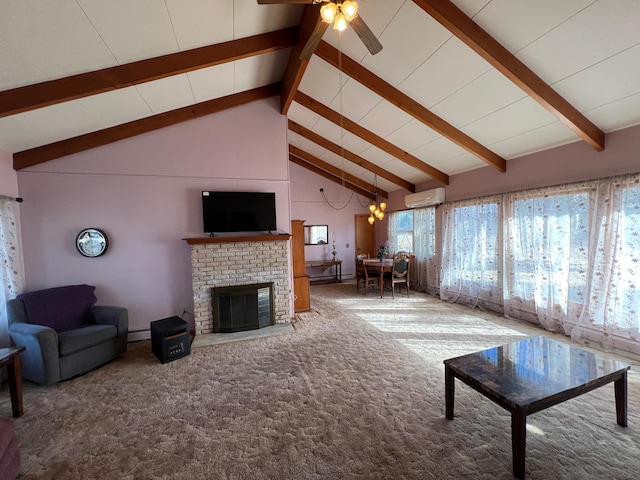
[(242, 307)]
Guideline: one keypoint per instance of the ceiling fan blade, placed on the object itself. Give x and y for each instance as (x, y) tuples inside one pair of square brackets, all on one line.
[(270, 2), (366, 35)]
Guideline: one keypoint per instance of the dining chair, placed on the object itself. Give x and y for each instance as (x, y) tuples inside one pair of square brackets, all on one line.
[(368, 277), (399, 273)]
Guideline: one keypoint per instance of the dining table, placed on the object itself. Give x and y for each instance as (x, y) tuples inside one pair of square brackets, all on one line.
[(384, 265)]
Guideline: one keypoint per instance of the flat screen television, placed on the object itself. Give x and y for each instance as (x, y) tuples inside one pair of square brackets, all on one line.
[(238, 212)]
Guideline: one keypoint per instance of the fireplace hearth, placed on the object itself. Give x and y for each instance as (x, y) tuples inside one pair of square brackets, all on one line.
[(242, 307)]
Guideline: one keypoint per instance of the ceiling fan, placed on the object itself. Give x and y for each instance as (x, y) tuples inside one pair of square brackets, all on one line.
[(341, 13)]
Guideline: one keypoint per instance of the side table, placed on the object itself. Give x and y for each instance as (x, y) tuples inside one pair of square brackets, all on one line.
[(10, 357)]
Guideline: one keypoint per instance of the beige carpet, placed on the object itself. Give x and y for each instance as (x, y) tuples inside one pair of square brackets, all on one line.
[(356, 391)]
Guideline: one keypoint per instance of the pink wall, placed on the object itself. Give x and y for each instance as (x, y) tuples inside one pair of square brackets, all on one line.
[(569, 163), (145, 193), (308, 204)]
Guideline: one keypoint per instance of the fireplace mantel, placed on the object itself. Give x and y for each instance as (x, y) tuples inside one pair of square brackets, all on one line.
[(243, 238)]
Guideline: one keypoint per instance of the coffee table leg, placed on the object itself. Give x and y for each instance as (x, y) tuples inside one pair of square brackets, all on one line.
[(620, 387), (518, 442), (449, 389), (14, 374)]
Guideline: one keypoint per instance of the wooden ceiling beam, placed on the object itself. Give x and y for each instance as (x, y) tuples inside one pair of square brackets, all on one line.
[(43, 94), (306, 156), (328, 176), (350, 156), (44, 153), (454, 20), (311, 30), (384, 145), (356, 71)]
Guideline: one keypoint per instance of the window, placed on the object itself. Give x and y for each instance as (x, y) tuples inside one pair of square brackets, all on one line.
[(404, 231)]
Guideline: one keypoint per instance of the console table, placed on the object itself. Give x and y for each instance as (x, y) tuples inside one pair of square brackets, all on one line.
[(10, 357), (336, 264)]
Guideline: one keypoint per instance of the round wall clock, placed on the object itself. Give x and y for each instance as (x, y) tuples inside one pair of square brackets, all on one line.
[(92, 242)]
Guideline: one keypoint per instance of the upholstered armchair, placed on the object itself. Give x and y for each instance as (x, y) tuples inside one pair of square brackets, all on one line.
[(65, 334)]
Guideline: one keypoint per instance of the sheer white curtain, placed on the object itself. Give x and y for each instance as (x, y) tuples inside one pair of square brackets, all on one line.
[(11, 270), (471, 268), (392, 230), (572, 260), (611, 313), (424, 249), (546, 243)]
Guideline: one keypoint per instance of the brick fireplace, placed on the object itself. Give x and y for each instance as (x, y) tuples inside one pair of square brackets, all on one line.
[(230, 261)]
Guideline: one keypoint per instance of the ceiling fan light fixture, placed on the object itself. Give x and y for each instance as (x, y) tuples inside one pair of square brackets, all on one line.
[(350, 9), (328, 12), (341, 22)]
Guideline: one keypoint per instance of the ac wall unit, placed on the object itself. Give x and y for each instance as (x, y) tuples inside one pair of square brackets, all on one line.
[(434, 196)]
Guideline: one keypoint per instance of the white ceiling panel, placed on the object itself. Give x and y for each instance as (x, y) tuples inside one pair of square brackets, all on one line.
[(486, 94), (197, 23), (55, 37), (354, 100), (594, 34), (260, 70), (616, 77), (459, 164), (554, 134), (167, 94), (440, 148), (132, 30), (384, 119), (321, 81), (212, 82), (115, 107), (354, 144), (516, 24), (616, 115), (439, 76), (21, 69), (302, 115), (521, 116), (411, 37), (411, 135), (249, 18)]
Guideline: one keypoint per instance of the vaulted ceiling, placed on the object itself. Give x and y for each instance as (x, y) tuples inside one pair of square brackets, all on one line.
[(458, 85)]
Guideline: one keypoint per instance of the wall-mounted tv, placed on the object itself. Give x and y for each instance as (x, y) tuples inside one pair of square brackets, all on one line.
[(238, 212)]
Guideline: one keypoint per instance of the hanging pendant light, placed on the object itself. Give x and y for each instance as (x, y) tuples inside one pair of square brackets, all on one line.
[(376, 207)]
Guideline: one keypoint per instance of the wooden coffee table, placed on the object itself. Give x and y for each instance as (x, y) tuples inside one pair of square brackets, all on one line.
[(533, 374), (11, 358)]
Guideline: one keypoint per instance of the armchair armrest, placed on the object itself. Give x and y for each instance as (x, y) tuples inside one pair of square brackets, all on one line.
[(40, 359), (111, 315)]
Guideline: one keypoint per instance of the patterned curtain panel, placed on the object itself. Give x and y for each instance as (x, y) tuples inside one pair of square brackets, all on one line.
[(611, 313), (471, 269), (11, 270), (392, 230), (425, 276), (546, 240)]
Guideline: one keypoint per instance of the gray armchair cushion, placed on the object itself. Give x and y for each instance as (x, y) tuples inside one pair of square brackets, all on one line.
[(60, 308)]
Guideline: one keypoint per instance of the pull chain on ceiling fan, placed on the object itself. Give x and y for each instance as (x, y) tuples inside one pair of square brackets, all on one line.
[(341, 13)]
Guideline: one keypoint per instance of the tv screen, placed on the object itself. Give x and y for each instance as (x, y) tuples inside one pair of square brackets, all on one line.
[(238, 212)]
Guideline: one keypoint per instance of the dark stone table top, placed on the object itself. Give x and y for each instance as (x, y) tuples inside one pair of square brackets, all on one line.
[(534, 373)]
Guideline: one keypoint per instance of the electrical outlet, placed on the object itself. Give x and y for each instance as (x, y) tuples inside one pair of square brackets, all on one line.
[(347, 245)]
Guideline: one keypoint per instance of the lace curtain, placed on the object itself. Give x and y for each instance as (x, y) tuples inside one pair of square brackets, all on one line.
[(10, 264), (471, 267), (392, 230), (424, 249), (564, 257)]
